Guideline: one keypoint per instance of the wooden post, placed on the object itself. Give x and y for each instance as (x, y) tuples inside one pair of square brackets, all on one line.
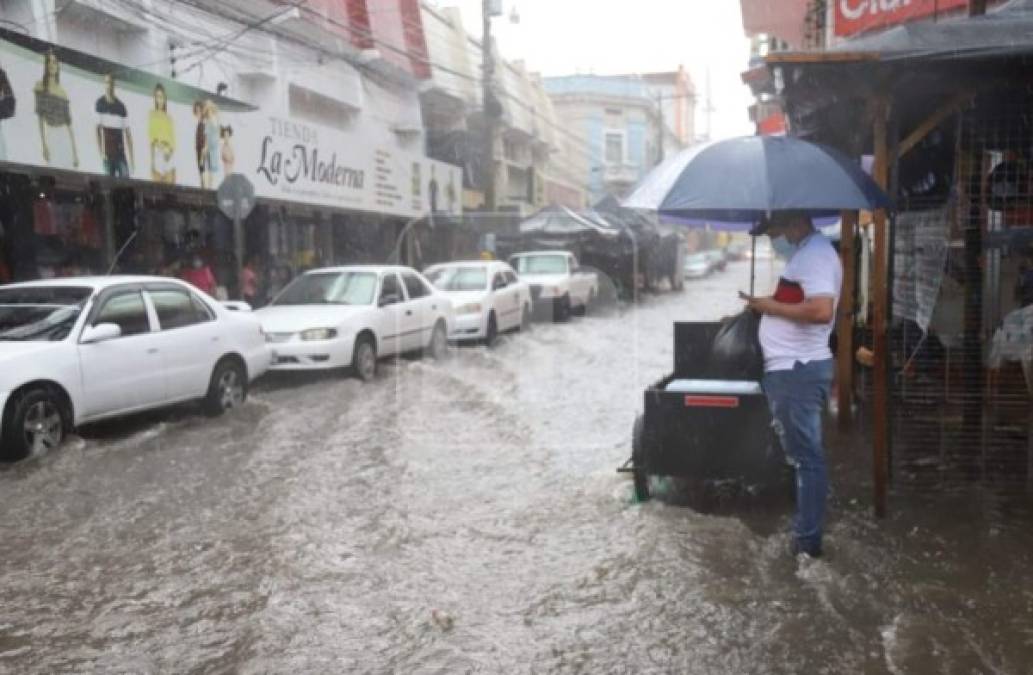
[(880, 302), (845, 323)]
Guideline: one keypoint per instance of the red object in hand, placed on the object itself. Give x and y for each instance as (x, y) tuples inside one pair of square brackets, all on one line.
[(789, 292)]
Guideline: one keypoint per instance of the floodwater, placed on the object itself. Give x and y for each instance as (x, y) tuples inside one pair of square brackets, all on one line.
[(466, 517)]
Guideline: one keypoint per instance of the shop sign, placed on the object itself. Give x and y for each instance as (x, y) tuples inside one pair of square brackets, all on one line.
[(857, 16), (61, 109)]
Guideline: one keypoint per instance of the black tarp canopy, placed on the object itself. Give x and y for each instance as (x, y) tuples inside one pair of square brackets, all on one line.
[(562, 222)]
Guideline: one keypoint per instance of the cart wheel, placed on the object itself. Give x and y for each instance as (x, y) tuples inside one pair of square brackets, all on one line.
[(641, 479)]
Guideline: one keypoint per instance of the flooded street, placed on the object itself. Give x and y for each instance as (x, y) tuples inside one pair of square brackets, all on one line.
[(466, 516)]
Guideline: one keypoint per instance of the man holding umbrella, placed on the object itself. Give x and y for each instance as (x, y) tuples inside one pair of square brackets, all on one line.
[(745, 180), (794, 334)]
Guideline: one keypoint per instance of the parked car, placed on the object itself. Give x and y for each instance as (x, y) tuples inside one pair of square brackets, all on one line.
[(341, 317), (78, 350), (557, 282), (737, 251), (716, 259), (697, 266), (763, 250), (487, 297)]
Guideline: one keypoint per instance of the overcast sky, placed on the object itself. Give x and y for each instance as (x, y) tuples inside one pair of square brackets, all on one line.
[(560, 37)]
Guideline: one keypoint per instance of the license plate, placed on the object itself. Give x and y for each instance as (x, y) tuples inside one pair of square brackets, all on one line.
[(696, 401)]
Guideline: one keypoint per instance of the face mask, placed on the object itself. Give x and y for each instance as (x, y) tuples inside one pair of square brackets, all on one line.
[(782, 246)]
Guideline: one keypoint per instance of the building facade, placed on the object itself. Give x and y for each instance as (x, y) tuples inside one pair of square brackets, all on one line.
[(627, 123), (128, 115), (535, 160)]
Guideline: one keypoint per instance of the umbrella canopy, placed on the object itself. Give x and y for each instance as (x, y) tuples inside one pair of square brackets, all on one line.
[(741, 179)]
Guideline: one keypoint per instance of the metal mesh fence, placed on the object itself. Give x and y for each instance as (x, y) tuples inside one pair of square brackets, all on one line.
[(961, 335)]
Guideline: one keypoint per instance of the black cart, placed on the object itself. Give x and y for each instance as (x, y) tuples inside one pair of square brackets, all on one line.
[(697, 427)]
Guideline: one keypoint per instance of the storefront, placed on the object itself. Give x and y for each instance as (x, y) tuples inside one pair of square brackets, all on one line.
[(949, 310), (108, 167)]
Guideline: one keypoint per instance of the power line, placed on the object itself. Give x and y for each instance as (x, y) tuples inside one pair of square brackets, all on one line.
[(471, 78)]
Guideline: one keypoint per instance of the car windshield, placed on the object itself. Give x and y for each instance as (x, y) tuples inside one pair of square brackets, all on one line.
[(459, 278), (541, 264), (696, 259), (40, 313), (330, 288)]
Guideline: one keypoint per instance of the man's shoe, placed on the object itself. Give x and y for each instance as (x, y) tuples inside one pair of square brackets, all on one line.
[(810, 550)]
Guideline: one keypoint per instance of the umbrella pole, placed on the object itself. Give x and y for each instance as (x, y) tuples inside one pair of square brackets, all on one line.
[(753, 265)]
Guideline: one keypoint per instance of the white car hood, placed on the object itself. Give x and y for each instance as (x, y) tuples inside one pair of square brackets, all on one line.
[(296, 318), (545, 279), (460, 298)]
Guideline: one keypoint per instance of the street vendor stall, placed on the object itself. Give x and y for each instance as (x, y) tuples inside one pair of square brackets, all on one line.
[(709, 420), (943, 108)]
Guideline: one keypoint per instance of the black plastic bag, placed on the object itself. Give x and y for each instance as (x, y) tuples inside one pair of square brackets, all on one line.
[(735, 353)]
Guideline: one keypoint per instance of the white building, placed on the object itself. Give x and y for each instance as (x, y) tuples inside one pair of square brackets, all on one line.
[(537, 161), (316, 103)]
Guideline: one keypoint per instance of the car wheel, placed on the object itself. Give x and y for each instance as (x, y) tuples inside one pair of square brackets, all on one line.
[(641, 479), (364, 359), (227, 389), (438, 347), (491, 333), (525, 319), (561, 309), (36, 425)]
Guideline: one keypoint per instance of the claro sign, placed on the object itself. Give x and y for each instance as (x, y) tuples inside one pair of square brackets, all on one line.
[(857, 16)]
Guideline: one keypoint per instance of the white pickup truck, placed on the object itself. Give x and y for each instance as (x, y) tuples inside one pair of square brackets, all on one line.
[(557, 282)]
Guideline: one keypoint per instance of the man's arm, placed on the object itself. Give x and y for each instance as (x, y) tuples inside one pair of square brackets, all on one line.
[(820, 310)]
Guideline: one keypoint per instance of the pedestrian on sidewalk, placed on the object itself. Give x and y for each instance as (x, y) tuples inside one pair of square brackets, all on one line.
[(795, 327)]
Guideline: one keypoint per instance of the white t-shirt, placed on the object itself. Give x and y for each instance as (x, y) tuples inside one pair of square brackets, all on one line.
[(815, 266)]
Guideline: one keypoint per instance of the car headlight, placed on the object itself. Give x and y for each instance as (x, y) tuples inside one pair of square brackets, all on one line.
[(319, 334), (469, 308)]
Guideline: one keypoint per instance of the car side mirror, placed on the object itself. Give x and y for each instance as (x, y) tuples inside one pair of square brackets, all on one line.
[(499, 284), (390, 299), (102, 332), (237, 306)]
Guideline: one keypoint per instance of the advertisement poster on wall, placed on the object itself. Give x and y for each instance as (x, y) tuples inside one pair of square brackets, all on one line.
[(62, 109)]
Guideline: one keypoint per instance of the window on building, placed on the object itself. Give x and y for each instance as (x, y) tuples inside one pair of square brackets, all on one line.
[(614, 147), (311, 106)]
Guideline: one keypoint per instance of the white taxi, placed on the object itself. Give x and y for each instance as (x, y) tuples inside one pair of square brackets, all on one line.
[(77, 350), (488, 298), (349, 317)]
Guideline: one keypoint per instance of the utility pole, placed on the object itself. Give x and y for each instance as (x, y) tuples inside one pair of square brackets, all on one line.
[(709, 109), (660, 126), (488, 9)]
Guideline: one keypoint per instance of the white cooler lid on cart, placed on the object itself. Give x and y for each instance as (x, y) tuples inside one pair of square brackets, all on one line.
[(720, 387)]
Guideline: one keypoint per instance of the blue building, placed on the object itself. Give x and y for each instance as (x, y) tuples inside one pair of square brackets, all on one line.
[(620, 118)]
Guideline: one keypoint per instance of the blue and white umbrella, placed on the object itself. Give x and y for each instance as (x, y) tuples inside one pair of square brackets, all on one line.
[(740, 180)]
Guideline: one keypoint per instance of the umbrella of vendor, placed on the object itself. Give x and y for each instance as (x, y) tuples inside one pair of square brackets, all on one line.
[(741, 180)]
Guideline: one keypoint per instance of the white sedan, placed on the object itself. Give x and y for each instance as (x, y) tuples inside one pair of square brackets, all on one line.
[(341, 317), (77, 350), (488, 298)]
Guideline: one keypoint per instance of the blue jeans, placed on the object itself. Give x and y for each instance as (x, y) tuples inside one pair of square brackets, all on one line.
[(797, 398)]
